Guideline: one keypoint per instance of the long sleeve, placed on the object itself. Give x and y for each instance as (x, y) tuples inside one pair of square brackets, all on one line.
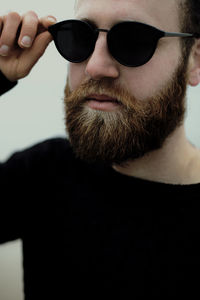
[(5, 84)]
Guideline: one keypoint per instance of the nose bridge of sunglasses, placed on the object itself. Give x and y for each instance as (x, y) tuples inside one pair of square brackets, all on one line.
[(98, 30), (101, 30)]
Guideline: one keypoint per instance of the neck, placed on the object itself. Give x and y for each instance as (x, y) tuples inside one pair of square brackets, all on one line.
[(177, 162)]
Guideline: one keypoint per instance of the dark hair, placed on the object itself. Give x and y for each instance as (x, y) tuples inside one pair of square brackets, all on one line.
[(190, 22)]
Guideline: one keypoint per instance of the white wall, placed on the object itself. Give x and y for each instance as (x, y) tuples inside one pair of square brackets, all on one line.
[(33, 111)]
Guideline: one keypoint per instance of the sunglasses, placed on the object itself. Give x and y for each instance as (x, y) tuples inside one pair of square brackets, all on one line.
[(132, 44)]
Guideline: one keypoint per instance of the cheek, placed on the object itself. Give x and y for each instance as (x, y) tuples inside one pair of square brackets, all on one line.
[(142, 82), (146, 81), (76, 74)]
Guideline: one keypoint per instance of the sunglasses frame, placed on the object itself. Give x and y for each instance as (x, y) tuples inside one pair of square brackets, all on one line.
[(53, 29)]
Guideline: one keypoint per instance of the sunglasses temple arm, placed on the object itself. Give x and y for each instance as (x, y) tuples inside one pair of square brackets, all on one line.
[(177, 34)]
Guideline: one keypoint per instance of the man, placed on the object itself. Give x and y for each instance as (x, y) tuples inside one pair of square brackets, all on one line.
[(115, 211)]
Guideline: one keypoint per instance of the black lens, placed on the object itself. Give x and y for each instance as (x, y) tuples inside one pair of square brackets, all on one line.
[(74, 39), (133, 44)]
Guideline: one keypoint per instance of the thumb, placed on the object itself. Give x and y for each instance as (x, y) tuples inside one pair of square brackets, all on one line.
[(48, 21)]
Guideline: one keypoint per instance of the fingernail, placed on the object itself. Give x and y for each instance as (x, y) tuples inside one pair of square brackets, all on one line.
[(52, 19), (4, 49), (26, 41)]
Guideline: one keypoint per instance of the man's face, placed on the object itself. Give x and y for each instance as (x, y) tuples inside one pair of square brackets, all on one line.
[(143, 81), (150, 97)]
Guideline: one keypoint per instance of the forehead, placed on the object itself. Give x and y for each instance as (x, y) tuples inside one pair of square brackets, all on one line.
[(160, 13)]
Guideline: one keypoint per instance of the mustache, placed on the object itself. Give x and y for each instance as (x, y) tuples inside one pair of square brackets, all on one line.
[(104, 86)]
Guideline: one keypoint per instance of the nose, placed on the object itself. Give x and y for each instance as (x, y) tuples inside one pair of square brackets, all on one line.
[(101, 64)]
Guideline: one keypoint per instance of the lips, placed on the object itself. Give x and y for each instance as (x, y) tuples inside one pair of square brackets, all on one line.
[(102, 102), (102, 98)]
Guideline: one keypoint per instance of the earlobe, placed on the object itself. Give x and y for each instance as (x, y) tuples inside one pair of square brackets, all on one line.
[(194, 77), (194, 65)]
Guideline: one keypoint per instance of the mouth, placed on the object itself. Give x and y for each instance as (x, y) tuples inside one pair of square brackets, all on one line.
[(102, 102)]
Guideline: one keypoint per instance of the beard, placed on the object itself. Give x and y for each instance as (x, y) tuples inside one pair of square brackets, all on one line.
[(129, 132)]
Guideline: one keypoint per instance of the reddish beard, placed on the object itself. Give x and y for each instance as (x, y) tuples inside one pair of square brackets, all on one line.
[(129, 132)]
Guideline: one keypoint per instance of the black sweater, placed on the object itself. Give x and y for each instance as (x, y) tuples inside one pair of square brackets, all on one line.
[(5, 84), (90, 232)]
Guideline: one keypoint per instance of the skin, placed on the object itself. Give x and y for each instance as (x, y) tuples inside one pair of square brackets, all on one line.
[(141, 81), (18, 61), (178, 161)]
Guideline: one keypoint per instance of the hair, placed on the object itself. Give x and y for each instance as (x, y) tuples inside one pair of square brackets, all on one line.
[(189, 21)]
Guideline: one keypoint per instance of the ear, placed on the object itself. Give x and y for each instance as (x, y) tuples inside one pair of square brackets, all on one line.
[(194, 65)]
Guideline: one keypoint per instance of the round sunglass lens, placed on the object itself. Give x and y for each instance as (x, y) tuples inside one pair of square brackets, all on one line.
[(75, 40), (132, 44)]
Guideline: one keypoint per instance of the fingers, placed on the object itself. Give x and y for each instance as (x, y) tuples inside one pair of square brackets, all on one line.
[(32, 26), (9, 27), (39, 45), (21, 31), (28, 29), (23, 40), (32, 55)]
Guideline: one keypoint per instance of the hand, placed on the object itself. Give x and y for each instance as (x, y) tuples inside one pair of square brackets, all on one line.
[(23, 40)]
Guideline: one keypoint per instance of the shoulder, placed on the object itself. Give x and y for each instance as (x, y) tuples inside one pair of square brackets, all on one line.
[(50, 153), (54, 146), (53, 159)]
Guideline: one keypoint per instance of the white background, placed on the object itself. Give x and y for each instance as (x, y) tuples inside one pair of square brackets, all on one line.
[(33, 111)]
